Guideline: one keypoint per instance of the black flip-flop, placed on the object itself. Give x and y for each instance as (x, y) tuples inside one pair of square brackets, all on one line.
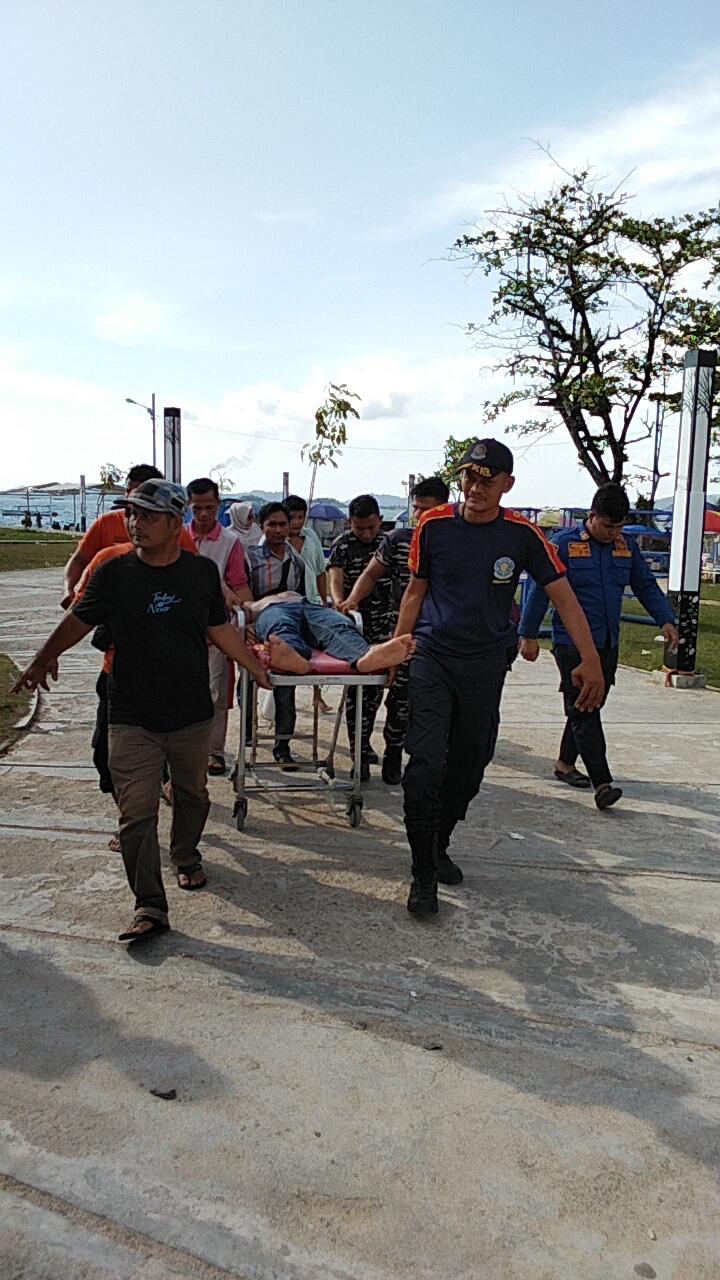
[(574, 779), (157, 927), (190, 888), (607, 796)]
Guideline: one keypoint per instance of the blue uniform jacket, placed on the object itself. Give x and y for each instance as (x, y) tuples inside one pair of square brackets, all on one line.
[(598, 574)]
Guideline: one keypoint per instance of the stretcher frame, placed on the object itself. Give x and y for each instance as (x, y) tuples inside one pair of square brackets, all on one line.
[(325, 770)]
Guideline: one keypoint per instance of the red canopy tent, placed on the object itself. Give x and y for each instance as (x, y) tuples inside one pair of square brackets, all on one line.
[(712, 521)]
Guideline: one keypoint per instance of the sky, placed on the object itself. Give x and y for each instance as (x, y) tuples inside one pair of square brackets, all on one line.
[(232, 203)]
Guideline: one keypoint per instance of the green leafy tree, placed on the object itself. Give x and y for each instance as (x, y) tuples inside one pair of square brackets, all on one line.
[(331, 419), (110, 477), (453, 451), (590, 311)]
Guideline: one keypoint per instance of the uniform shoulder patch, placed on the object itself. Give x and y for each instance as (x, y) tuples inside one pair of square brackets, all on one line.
[(445, 512), (621, 547)]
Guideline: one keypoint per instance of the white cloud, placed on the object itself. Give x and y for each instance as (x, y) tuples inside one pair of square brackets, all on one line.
[(665, 150), (284, 217), (134, 319), (396, 407), (61, 427)]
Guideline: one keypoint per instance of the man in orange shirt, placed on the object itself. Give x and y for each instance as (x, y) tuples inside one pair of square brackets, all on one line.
[(108, 531), (100, 733)]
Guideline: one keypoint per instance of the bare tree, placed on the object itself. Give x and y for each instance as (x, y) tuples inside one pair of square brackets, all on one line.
[(590, 311)]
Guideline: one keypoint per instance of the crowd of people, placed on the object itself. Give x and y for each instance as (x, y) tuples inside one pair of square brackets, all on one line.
[(434, 606)]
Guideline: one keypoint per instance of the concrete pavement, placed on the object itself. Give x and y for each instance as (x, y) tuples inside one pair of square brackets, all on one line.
[(525, 1088)]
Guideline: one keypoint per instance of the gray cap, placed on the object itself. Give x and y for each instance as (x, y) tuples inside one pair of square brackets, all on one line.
[(157, 495)]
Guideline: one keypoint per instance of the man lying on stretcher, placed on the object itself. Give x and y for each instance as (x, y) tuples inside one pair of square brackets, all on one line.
[(288, 626)]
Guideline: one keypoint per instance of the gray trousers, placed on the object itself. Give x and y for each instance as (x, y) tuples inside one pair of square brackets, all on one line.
[(219, 667), (137, 759)]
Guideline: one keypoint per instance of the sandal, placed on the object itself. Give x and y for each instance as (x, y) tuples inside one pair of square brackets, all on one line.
[(574, 778), (216, 765), (156, 926), (190, 888), (607, 795), (114, 844)]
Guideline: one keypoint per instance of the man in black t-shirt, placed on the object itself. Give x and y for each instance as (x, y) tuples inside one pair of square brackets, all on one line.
[(466, 559), (160, 606)]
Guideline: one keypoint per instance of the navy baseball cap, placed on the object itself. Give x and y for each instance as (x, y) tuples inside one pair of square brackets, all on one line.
[(157, 495), (489, 457)]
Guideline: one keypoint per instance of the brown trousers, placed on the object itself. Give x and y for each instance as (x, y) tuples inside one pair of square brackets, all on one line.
[(137, 759)]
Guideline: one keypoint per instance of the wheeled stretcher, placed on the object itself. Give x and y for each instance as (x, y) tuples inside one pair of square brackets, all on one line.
[(245, 777)]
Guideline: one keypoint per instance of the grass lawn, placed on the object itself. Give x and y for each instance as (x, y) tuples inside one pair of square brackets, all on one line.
[(12, 706), (33, 535), (19, 549), (634, 639), (638, 647)]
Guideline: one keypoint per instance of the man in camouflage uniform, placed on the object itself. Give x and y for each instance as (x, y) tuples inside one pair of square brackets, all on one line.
[(390, 562), (349, 556)]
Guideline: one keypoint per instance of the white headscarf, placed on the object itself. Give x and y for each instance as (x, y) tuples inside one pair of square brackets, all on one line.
[(243, 524)]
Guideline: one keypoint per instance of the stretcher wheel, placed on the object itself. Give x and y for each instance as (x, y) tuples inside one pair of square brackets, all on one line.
[(240, 813), (354, 812)]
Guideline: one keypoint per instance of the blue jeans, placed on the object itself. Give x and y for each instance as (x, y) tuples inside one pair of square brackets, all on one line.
[(305, 626)]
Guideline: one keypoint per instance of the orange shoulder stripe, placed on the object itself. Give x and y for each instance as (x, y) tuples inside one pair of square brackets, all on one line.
[(446, 511), (553, 556)]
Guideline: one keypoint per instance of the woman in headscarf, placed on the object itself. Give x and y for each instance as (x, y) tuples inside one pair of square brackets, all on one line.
[(242, 522)]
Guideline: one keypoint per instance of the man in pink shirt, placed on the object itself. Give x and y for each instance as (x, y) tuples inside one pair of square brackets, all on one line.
[(223, 546)]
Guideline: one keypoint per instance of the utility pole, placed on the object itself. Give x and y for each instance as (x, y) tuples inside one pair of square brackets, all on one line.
[(659, 423), (286, 485), (172, 445), (689, 514)]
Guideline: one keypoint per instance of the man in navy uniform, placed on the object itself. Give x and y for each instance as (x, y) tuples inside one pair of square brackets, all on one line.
[(465, 560), (601, 561)]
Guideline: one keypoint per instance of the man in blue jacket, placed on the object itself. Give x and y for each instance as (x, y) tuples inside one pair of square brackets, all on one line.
[(601, 561)]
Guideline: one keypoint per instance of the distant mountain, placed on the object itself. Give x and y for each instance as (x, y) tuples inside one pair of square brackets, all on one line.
[(666, 504), (389, 503)]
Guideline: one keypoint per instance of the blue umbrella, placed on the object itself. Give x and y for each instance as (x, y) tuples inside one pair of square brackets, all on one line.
[(326, 511)]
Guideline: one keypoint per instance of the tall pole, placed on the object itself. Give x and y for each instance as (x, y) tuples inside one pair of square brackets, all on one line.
[(152, 415), (689, 506), (172, 445), (286, 485)]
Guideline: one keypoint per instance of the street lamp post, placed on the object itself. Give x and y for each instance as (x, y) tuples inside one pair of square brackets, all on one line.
[(151, 411)]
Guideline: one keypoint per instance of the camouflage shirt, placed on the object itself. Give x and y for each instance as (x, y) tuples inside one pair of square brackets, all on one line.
[(353, 556), (393, 554)]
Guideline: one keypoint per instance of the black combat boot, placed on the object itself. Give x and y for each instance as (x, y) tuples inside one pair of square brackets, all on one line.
[(447, 871), (422, 899), (392, 766)]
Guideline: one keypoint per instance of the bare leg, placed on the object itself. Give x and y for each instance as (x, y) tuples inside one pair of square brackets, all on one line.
[(388, 654), (284, 658)]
